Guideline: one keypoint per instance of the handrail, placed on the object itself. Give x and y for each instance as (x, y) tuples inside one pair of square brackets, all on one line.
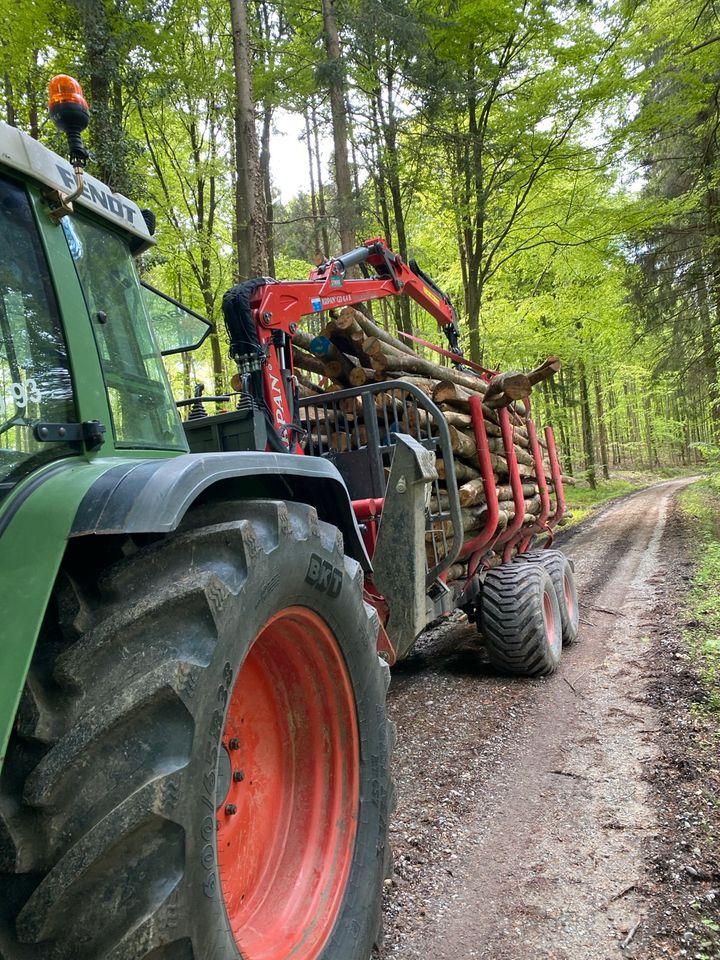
[(442, 440)]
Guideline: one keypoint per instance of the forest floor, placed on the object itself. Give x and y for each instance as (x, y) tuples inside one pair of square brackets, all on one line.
[(574, 817)]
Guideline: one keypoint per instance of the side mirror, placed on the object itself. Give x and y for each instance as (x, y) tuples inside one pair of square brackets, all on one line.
[(176, 328)]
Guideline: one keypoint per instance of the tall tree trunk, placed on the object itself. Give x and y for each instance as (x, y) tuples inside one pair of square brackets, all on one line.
[(650, 439), (473, 300), (562, 410), (475, 190), (32, 92), (249, 199), (354, 166), (614, 437), (632, 432), (321, 189), (381, 183), (9, 101), (710, 357), (574, 421), (587, 429), (381, 178), (712, 204), (217, 363), (393, 177), (336, 84), (186, 374), (267, 185), (313, 193), (456, 196), (685, 440), (602, 430), (102, 58), (206, 211)]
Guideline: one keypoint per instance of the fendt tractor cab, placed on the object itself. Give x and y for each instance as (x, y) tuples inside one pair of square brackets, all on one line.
[(195, 645)]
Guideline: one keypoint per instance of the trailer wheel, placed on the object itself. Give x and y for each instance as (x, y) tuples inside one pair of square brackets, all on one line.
[(520, 620), (203, 771), (563, 578)]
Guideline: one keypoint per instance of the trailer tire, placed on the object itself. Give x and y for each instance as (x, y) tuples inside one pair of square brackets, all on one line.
[(200, 766), (519, 619), (562, 575)]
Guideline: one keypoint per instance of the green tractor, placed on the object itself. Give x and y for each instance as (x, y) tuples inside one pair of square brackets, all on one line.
[(192, 716)]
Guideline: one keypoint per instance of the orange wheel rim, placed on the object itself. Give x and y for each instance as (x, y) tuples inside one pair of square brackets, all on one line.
[(288, 822)]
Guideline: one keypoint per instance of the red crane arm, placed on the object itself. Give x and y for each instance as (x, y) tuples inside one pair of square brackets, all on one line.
[(278, 306), (285, 302)]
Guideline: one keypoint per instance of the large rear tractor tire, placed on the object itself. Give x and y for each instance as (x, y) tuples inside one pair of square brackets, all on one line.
[(200, 765), (519, 619), (563, 578)]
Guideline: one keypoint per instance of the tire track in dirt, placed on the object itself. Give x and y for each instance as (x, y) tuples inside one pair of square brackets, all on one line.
[(524, 805)]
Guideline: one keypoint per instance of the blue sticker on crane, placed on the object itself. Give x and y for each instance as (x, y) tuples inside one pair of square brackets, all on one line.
[(316, 304)]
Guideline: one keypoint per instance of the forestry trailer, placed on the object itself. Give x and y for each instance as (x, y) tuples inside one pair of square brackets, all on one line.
[(197, 619)]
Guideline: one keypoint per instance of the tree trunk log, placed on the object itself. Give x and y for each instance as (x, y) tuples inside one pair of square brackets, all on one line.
[(306, 361)]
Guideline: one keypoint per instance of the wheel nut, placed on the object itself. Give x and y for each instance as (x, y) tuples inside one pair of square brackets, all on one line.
[(234, 744), (238, 776), (230, 809)]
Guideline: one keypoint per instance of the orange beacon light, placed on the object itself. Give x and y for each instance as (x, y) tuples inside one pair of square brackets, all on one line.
[(70, 114), (63, 89)]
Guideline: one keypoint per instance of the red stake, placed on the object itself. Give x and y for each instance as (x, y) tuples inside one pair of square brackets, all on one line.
[(557, 479), (476, 547), (508, 535), (541, 524)]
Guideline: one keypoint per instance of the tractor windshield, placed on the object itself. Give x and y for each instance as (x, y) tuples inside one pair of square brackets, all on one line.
[(35, 383), (142, 407)]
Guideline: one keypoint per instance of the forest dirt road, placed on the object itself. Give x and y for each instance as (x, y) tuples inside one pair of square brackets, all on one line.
[(525, 807)]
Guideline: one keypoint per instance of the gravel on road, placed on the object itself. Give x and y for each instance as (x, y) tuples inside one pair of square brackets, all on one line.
[(527, 810)]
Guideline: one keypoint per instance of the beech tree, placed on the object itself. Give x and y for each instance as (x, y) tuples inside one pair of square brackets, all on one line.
[(334, 75), (250, 222)]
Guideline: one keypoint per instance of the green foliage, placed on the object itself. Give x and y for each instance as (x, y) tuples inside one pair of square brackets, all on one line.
[(711, 457), (701, 503), (554, 167)]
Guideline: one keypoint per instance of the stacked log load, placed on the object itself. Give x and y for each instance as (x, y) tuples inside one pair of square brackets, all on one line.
[(352, 351)]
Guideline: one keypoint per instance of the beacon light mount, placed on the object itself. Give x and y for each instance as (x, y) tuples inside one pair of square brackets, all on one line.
[(70, 113)]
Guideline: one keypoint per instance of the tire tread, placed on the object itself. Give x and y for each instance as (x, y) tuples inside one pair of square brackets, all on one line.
[(511, 620), (74, 826)]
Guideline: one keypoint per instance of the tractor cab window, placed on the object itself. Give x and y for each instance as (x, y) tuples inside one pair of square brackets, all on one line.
[(142, 407), (35, 383)]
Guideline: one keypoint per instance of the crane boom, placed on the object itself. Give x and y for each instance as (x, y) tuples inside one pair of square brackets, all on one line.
[(262, 316)]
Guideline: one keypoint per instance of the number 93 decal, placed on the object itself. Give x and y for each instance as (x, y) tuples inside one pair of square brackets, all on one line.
[(22, 393)]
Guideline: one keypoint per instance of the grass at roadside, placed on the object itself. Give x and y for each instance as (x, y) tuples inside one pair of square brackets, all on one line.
[(581, 501), (700, 636), (701, 504)]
